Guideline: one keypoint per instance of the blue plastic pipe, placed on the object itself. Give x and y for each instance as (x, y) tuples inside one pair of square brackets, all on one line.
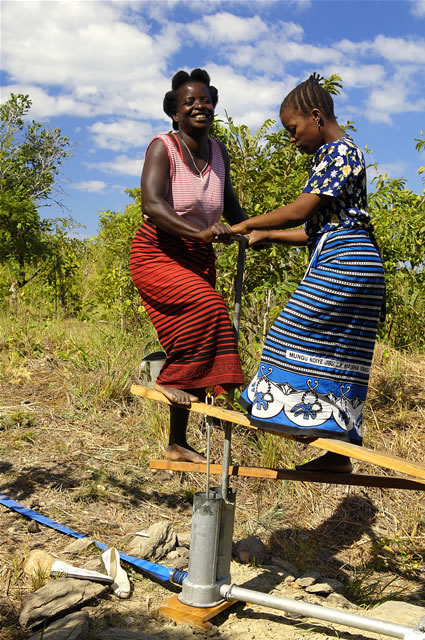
[(164, 574)]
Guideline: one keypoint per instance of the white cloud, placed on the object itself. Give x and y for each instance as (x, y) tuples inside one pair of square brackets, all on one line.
[(121, 164), (300, 4), (100, 62), (359, 75), (90, 186), (226, 27), (248, 100), (45, 105), (121, 135), (418, 8), (395, 96), (400, 49), (271, 54)]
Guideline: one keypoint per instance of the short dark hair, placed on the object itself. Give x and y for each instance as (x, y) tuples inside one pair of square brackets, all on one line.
[(178, 80), (309, 95)]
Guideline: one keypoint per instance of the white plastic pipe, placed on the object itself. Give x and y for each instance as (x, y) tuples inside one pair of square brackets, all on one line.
[(233, 592)]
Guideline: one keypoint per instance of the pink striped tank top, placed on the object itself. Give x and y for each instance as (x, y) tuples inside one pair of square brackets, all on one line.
[(200, 201)]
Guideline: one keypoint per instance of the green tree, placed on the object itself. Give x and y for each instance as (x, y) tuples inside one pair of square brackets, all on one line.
[(30, 160), (111, 282)]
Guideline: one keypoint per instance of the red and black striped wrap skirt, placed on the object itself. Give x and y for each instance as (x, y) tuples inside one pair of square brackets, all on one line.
[(176, 279)]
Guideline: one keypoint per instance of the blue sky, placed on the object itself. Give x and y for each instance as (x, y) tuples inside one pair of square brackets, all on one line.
[(99, 70)]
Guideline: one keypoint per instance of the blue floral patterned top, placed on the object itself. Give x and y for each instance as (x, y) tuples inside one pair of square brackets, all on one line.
[(338, 170)]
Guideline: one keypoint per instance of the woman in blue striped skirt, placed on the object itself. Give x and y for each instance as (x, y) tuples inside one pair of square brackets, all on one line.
[(314, 371)]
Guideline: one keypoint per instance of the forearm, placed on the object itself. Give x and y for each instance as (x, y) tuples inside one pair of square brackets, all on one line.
[(280, 219), (294, 237), (164, 217)]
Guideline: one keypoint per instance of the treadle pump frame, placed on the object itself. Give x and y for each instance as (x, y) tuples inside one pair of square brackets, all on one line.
[(207, 589)]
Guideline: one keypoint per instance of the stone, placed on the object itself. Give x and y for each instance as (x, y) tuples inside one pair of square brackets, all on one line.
[(320, 589), (178, 558), (121, 634), (163, 476), (307, 579), (57, 597), (183, 539), (80, 545), (337, 585), (288, 566), (289, 579), (38, 561), (339, 601), (74, 626), (162, 539), (250, 550), (399, 612), (34, 527)]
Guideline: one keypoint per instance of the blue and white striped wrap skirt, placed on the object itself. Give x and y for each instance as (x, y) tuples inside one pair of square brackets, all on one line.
[(314, 370)]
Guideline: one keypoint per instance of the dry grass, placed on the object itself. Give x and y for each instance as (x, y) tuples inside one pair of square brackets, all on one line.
[(75, 446)]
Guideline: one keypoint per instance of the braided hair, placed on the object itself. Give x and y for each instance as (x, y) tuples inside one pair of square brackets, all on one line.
[(178, 80), (309, 95)]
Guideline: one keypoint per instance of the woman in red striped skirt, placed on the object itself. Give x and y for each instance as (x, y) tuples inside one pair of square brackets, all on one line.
[(186, 189)]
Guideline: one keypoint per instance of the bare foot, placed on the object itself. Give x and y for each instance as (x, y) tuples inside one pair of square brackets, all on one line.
[(333, 462), (177, 396), (186, 454)]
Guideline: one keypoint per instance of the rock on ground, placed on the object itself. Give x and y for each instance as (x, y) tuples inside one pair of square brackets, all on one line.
[(56, 597), (325, 587), (307, 579), (80, 545), (399, 612), (38, 561), (338, 601), (162, 539), (74, 626), (114, 633), (250, 550)]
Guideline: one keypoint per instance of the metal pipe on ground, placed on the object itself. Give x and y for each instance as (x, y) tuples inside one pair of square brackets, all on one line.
[(233, 592)]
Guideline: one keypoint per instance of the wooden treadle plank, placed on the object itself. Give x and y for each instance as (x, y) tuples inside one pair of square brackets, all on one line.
[(389, 482), (337, 446)]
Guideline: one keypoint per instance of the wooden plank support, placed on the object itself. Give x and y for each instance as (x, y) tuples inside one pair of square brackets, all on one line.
[(361, 480), (364, 454), (173, 609)]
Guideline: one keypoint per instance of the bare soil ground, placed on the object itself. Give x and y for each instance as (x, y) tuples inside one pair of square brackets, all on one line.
[(87, 467)]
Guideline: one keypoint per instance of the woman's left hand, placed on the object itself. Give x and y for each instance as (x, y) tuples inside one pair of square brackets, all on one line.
[(218, 232)]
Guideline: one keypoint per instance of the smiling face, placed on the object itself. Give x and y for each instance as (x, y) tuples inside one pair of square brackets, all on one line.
[(303, 129), (194, 107)]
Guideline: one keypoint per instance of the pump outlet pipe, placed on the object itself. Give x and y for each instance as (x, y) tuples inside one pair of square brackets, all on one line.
[(233, 592)]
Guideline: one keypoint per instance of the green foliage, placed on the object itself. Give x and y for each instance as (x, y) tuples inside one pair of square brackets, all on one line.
[(30, 160), (110, 281), (420, 146), (398, 218)]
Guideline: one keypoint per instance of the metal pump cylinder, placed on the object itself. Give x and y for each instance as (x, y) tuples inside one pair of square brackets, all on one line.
[(200, 589), (226, 536)]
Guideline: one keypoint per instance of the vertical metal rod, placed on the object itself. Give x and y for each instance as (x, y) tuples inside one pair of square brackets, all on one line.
[(207, 490), (243, 243)]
